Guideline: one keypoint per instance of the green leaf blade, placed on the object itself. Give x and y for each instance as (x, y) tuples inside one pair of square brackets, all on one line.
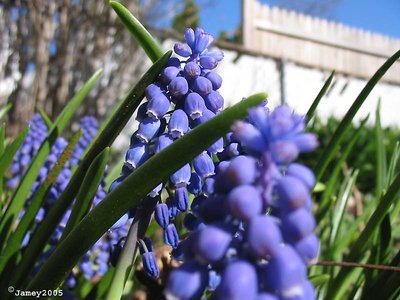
[(5, 110), (337, 289), (38, 160), (88, 189), (311, 111), (142, 36), (15, 240), (337, 137)]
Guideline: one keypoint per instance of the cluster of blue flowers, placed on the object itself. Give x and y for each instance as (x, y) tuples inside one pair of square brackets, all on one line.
[(95, 262), (184, 96), (252, 230), (30, 146)]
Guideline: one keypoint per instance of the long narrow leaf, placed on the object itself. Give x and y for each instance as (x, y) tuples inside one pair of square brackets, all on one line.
[(45, 119), (29, 178), (101, 287), (337, 287), (15, 240), (87, 191), (142, 36), (105, 138), (324, 206), (380, 154), (322, 92), (2, 138), (5, 110), (124, 197), (340, 210), (394, 161), (10, 151), (337, 137)]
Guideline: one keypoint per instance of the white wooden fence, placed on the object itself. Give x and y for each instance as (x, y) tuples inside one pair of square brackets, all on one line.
[(316, 43)]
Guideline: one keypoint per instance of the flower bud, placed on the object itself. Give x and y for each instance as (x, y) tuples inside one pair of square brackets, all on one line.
[(302, 173), (163, 141), (178, 124), (306, 142), (182, 198), (286, 273), (207, 115), (171, 236), (161, 214), (242, 170), (211, 244), (249, 136), (214, 101), (244, 202), (182, 49), (154, 89), (208, 62), (297, 224), (148, 129), (195, 184), (150, 264), (168, 74), (181, 177), (187, 282), (215, 78), (172, 207), (194, 106), (266, 296), (284, 151), (178, 87), (308, 249), (202, 85), (156, 191), (214, 279), (203, 40), (204, 165), (217, 146), (137, 154), (208, 186), (239, 281), (233, 149), (190, 37), (264, 236), (158, 106), (192, 70), (292, 193)]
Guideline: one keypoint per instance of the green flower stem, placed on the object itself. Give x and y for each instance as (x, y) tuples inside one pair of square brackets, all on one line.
[(130, 249)]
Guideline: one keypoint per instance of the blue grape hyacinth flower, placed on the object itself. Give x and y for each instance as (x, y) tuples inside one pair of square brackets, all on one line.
[(252, 223), (183, 96)]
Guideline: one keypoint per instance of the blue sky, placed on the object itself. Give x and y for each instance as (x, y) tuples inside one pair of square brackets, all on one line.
[(377, 16)]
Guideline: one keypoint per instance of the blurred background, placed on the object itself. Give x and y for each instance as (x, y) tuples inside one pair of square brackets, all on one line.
[(284, 47)]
